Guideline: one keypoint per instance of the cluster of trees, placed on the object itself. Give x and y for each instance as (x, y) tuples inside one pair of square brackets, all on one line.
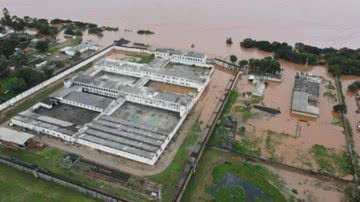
[(19, 24), (267, 65), (282, 51), (23, 79), (355, 86), (344, 61), (73, 31), (340, 108)]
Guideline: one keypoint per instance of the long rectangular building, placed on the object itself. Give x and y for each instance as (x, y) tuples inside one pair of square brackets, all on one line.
[(305, 97)]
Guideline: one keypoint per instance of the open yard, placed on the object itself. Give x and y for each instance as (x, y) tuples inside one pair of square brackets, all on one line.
[(16, 186)]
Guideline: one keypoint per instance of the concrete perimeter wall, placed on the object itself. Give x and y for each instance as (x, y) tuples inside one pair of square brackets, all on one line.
[(55, 78)]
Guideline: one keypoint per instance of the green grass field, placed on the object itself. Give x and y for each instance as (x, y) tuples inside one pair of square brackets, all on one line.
[(16, 186), (214, 164), (169, 178), (48, 158)]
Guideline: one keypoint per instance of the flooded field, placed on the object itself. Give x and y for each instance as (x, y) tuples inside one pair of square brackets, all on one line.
[(288, 138), (352, 107), (206, 25), (309, 188)]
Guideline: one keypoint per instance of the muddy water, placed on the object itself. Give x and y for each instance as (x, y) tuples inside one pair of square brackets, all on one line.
[(308, 188), (353, 117), (312, 131), (180, 23), (214, 92)]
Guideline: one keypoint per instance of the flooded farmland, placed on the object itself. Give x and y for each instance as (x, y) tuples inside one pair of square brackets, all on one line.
[(289, 138)]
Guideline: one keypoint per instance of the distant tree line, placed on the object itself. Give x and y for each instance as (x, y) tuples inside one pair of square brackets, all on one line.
[(342, 61), (20, 24)]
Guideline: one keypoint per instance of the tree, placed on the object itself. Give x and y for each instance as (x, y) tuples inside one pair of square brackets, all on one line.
[(233, 58), (42, 45), (30, 76), (340, 108), (355, 86), (243, 63), (69, 31), (15, 85)]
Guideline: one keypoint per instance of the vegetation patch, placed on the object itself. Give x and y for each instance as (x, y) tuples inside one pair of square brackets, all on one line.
[(248, 145), (230, 194), (17, 186), (217, 138), (169, 178), (329, 161), (49, 158), (257, 175), (344, 61), (354, 87)]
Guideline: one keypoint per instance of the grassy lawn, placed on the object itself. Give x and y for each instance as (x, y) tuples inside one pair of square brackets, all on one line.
[(214, 164), (169, 178), (16, 186), (48, 158)]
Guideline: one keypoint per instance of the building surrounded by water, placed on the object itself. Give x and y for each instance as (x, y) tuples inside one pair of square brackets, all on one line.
[(114, 110), (305, 97)]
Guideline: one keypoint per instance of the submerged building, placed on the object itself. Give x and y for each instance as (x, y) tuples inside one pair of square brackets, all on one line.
[(115, 110), (305, 97)]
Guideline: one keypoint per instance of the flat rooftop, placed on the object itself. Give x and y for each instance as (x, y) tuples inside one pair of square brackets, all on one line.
[(133, 128), (118, 78), (75, 94), (306, 93), (108, 80), (196, 74), (68, 113), (150, 117)]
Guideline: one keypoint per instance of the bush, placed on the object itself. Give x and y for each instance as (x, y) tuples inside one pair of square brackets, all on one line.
[(233, 58), (355, 86), (42, 45), (340, 108)]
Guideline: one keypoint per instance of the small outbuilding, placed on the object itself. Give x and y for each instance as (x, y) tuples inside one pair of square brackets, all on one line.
[(13, 138)]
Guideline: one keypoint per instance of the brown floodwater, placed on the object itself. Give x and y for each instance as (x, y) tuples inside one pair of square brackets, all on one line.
[(180, 23), (353, 117), (312, 131)]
